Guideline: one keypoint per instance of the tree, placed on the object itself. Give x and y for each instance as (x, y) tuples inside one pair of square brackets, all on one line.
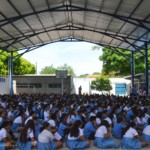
[(23, 66), (51, 69), (101, 84), (48, 70), (20, 65), (68, 68), (118, 62)]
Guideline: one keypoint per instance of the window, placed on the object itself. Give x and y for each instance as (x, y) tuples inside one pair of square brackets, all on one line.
[(2, 79), (120, 89), (54, 85), (22, 85), (35, 85), (30, 85)]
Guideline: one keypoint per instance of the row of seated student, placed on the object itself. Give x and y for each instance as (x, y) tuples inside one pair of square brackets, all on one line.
[(51, 121)]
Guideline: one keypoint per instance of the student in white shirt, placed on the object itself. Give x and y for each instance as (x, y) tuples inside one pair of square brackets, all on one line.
[(4, 135), (146, 132), (102, 136), (131, 139), (18, 122), (30, 117), (76, 137), (27, 136), (46, 139)]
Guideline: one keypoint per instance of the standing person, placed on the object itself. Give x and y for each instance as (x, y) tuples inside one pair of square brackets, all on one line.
[(76, 137), (102, 136), (46, 140), (131, 139), (80, 90), (27, 136)]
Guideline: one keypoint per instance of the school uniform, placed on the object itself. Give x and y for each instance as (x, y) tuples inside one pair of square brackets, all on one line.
[(61, 129), (16, 124), (3, 134), (75, 142), (117, 130), (45, 141), (28, 144), (102, 142), (146, 134), (89, 130), (128, 140)]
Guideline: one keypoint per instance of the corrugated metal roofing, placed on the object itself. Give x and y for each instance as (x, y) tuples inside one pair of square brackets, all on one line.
[(33, 23)]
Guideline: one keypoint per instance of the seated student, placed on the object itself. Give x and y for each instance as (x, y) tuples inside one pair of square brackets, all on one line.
[(117, 129), (5, 139), (89, 128), (30, 117), (76, 137), (27, 138), (18, 122), (63, 129), (146, 132), (46, 140), (131, 138), (102, 136)]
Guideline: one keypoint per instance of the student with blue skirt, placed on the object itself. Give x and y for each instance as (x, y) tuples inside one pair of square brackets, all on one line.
[(27, 136), (146, 132), (118, 127), (18, 122), (90, 128), (102, 136), (6, 141), (46, 140), (76, 137), (131, 139)]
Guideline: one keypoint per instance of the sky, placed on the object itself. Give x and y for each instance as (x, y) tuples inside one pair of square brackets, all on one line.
[(78, 55)]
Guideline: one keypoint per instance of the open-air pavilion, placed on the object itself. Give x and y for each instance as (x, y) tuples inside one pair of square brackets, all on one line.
[(30, 24)]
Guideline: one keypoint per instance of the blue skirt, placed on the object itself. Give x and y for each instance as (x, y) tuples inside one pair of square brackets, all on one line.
[(146, 138), (25, 146), (47, 146), (2, 145), (76, 144), (15, 127), (105, 143), (130, 143)]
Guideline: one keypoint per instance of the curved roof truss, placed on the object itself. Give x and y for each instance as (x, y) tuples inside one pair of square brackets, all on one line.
[(29, 24)]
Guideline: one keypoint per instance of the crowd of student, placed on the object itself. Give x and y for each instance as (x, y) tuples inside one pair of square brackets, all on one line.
[(50, 121)]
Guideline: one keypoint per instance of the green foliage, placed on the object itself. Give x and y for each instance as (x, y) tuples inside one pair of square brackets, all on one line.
[(48, 70), (52, 70), (20, 66), (101, 84), (118, 63), (66, 67)]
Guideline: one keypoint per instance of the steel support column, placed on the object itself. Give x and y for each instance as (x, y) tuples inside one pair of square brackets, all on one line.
[(11, 74), (146, 69), (132, 69)]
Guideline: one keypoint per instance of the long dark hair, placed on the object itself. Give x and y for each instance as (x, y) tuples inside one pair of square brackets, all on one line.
[(105, 123), (131, 124), (45, 125), (23, 135), (75, 129)]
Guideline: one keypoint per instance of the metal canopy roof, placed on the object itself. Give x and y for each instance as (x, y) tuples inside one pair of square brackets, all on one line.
[(27, 24)]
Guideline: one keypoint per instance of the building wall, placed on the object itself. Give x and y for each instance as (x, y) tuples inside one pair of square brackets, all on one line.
[(4, 85), (41, 84), (86, 83)]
